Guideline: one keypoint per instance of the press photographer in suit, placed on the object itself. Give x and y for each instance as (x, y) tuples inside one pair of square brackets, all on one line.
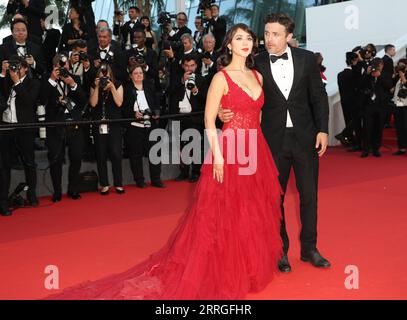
[(189, 92), (64, 100), (216, 26), (4, 208), (21, 107)]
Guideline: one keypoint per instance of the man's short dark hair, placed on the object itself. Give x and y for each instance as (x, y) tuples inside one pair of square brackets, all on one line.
[(387, 47), (14, 22), (139, 30), (80, 43), (189, 57), (282, 19), (135, 8)]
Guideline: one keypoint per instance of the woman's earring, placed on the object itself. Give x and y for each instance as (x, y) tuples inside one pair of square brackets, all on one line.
[(230, 52)]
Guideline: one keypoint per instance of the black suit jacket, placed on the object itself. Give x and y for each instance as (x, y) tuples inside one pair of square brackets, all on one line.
[(26, 99), (130, 96), (307, 102), (126, 31), (388, 65), (347, 83), (69, 33), (49, 46), (50, 97), (34, 12), (179, 33), (219, 30), (9, 49)]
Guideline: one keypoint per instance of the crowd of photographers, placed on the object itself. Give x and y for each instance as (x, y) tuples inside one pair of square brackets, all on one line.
[(373, 90), (95, 71)]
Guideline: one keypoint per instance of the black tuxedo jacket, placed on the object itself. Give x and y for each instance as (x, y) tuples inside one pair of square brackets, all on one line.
[(50, 97), (26, 99), (307, 102), (219, 30), (34, 12), (347, 83), (212, 70), (388, 65), (49, 45), (130, 95), (126, 31), (9, 49)]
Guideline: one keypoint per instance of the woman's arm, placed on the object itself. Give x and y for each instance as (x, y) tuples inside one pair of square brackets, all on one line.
[(117, 95), (215, 93), (94, 96), (155, 44)]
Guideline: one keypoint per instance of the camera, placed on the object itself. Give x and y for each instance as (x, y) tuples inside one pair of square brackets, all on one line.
[(146, 114), (138, 56), (190, 84), (165, 18), (41, 118), (105, 76), (64, 73), (14, 65), (83, 56), (206, 55), (205, 4)]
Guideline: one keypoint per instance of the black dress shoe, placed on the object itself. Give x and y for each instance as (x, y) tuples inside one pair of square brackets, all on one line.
[(376, 154), (158, 184), (182, 176), (120, 190), (5, 211), (56, 197), (194, 178), (284, 265), (33, 200), (364, 154), (315, 258), (74, 195), (399, 153), (141, 184)]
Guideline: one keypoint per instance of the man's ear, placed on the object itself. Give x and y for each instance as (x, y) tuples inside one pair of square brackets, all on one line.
[(289, 37)]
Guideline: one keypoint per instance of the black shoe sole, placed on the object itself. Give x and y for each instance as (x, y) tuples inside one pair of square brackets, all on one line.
[(316, 266)]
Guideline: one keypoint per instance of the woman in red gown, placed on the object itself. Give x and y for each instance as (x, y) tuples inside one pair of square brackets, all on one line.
[(228, 242)]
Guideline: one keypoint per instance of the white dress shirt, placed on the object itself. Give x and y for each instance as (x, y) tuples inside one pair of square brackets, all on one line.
[(283, 74), (10, 114), (140, 105)]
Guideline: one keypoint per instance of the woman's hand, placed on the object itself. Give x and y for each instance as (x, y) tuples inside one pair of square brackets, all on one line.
[(218, 169), (97, 82), (109, 86), (139, 115)]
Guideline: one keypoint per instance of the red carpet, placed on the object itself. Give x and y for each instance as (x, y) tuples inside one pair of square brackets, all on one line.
[(362, 222)]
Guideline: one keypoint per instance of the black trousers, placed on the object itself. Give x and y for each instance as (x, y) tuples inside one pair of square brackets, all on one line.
[(23, 142), (109, 146), (400, 117), (57, 140), (138, 146), (305, 163), (190, 123), (373, 125)]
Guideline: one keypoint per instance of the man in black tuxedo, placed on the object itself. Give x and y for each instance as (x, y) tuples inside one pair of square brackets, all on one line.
[(107, 51), (140, 54), (49, 42), (64, 100), (176, 33), (187, 99), (295, 124), (126, 31), (4, 206), (34, 10), (21, 107), (24, 48), (208, 58), (348, 91), (216, 26), (388, 63)]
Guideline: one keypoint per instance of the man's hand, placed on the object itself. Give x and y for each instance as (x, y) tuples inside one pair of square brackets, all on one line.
[(169, 53), (225, 115), (321, 143), (4, 67), (26, 3), (69, 81), (207, 61), (194, 90), (186, 76), (30, 60)]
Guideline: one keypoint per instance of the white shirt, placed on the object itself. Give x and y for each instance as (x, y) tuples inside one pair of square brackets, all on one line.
[(140, 105), (283, 74), (10, 114)]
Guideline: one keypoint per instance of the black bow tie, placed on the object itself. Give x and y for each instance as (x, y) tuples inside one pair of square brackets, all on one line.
[(103, 50), (20, 46), (274, 58)]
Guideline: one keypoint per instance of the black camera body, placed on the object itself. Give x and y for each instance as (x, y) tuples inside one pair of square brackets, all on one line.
[(206, 55), (14, 66), (104, 81), (138, 56), (83, 56), (400, 68), (165, 18), (190, 84)]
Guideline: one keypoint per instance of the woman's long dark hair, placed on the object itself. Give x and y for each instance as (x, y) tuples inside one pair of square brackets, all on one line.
[(226, 57)]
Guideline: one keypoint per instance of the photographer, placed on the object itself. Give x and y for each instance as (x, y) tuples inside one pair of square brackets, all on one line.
[(216, 26), (4, 206), (106, 99), (141, 55), (81, 65), (174, 34), (21, 105), (199, 32), (366, 55), (375, 87), (34, 10), (107, 52), (140, 101), (125, 32), (72, 31), (24, 48), (189, 92), (208, 58), (400, 100), (64, 100)]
